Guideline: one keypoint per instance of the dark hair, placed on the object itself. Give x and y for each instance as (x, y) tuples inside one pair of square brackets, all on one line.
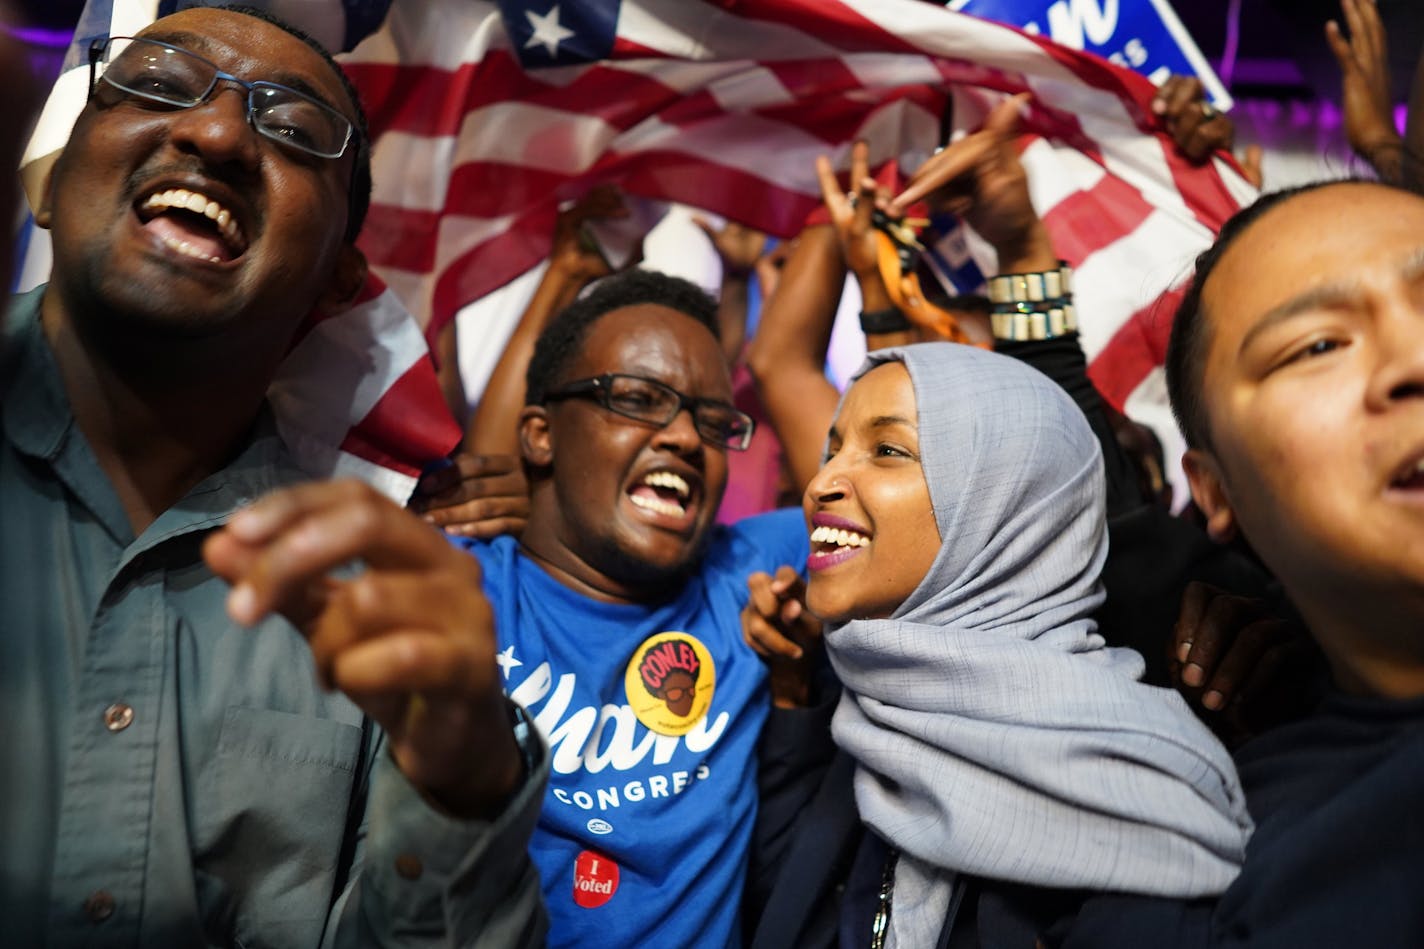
[(563, 337), (1191, 336), (359, 199)]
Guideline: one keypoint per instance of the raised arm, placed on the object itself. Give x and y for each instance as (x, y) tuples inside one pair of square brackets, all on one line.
[(1364, 84), (573, 264), (738, 248), (787, 356)]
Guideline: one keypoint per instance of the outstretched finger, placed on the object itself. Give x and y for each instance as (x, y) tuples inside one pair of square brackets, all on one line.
[(863, 184), (955, 161), (1364, 39), (1344, 55), (300, 534), (835, 199)]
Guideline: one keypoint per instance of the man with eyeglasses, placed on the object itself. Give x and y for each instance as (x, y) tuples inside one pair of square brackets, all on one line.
[(617, 611), (314, 755)]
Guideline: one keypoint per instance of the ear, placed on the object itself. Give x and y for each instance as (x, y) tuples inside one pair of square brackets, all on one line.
[(1209, 491), (347, 278), (41, 193), (536, 440)]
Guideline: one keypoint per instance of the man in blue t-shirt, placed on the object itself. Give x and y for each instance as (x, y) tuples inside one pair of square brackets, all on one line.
[(617, 618)]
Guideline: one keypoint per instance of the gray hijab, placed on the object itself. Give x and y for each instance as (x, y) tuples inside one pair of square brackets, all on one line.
[(994, 732)]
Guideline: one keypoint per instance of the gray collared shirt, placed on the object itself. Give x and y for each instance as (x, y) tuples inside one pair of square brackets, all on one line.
[(172, 779)]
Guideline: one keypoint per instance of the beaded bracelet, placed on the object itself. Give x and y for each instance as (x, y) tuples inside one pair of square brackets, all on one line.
[(1029, 306)]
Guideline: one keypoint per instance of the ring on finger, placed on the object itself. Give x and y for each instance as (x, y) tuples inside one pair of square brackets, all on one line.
[(1209, 111)]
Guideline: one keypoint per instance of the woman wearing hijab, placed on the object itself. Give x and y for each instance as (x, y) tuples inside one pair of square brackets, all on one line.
[(993, 759)]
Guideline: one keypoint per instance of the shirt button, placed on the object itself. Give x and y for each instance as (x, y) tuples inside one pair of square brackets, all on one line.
[(117, 717), (409, 866), (99, 906)]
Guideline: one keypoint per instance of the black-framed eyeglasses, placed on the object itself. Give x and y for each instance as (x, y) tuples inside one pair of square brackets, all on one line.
[(647, 400), (172, 76)]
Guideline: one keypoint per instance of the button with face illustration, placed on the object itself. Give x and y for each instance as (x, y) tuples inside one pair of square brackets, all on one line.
[(670, 681)]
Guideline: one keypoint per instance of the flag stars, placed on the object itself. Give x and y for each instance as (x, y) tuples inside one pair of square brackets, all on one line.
[(506, 661), (548, 32)]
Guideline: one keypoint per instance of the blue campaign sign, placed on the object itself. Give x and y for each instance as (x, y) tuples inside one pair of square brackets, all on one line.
[(1144, 35)]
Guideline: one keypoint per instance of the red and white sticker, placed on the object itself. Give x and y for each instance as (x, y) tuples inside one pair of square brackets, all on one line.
[(595, 879)]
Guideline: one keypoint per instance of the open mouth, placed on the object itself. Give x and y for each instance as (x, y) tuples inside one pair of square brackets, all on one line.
[(192, 224), (831, 538), (663, 493), (1409, 476), (832, 544)]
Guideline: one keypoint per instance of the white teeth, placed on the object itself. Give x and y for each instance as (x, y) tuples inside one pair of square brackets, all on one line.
[(188, 250), (198, 204), (670, 480), (841, 538), (658, 505)]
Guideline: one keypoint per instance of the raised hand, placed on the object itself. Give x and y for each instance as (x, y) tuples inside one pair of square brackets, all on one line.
[(851, 213), (574, 255), (410, 639), (1197, 127), (737, 246), (1364, 81), (981, 179)]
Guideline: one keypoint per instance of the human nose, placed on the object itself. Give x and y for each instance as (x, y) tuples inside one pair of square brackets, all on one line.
[(218, 128), (1399, 371), (680, 434), (827, 485)]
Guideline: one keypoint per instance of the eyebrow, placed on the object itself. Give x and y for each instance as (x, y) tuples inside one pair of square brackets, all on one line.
[(882, 421), (1330, 296)]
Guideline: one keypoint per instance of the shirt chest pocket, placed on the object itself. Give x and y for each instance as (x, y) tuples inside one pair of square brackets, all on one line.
[(276, 805)]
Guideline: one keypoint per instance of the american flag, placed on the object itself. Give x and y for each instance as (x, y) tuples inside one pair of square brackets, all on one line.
[(487, 115), (491, 113)]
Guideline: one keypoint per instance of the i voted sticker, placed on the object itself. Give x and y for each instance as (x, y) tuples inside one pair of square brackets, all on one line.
[(595, 879)]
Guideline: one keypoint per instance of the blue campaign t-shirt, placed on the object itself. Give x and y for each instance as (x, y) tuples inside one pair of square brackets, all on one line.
[(652, 715)]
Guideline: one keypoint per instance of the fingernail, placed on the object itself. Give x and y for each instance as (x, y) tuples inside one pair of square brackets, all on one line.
[(1158, 106), (242, 604), (1184, 650), (1193, 675), (1213, 700)]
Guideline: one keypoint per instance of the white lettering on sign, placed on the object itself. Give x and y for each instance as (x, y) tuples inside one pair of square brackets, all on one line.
[(1070, 20)]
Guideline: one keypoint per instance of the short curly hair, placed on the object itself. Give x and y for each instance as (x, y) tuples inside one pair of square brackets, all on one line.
[(563, 338)]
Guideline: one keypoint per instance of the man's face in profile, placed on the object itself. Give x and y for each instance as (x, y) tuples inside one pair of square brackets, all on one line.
[(186, 219)]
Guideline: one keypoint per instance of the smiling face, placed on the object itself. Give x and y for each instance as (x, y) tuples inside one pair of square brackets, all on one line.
[(188, 221), (1313, 385), (873, 530), (630, 502)]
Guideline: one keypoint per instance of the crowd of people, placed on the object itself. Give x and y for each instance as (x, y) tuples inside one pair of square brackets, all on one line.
[(965, 680)]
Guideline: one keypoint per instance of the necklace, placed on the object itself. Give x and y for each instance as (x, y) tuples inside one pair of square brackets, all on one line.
[(880, 926)]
